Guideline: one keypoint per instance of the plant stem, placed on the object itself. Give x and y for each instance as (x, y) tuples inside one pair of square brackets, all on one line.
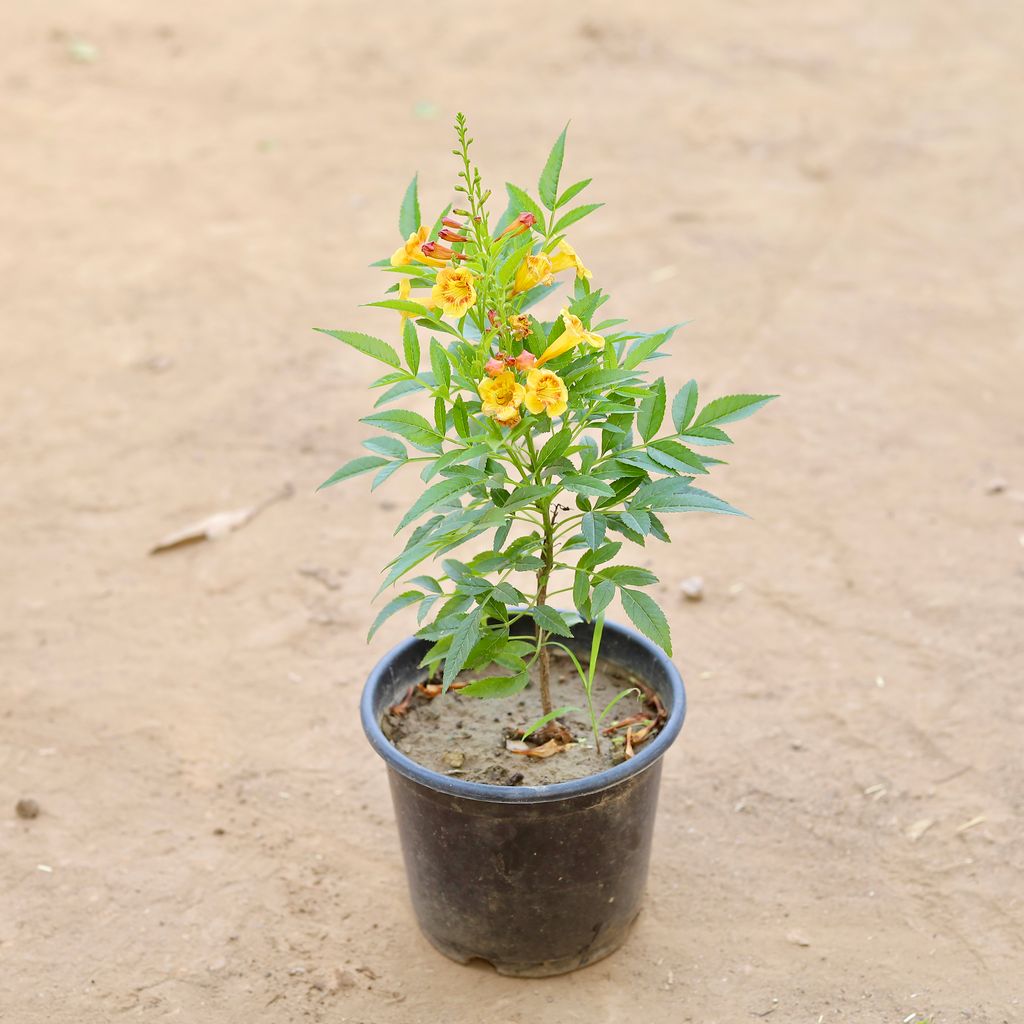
[(543, 574)]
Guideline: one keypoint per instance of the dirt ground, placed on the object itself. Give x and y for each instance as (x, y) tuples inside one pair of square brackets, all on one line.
[(830, 192)]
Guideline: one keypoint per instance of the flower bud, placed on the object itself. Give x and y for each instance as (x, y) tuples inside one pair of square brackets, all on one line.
[(451, 236), (494, 366), (525, 360)]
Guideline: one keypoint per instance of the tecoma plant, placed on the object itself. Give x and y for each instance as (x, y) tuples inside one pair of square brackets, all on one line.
[(544, 441)]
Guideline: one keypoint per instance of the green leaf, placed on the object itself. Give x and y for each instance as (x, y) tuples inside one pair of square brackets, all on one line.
[(363, 464), (548, 184), (645, 614), (440, 415), (705, 436), (554, 447), (588, 486), (581, 593), (409, 217), (547, 618), (629, 576), (676, 456), (402, 305), (460, 416), (574, 215), (684, 405), (593, 528), (463, 641), (432, 496), (385, 474), (674, 495), (730, 408), (496, 686), (411, 345), (386, 446), (403, 387), (652, 410), (549, 717), (394, 605), (410, 425), (520, 201), (602, 597), (368, 345), (572, 192), (615, 700), (440, 365), (647, 346)]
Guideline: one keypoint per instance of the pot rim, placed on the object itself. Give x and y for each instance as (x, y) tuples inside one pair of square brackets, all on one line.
[(487, 792)]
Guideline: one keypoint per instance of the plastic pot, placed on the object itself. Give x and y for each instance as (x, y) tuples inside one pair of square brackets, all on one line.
[(536, 880)]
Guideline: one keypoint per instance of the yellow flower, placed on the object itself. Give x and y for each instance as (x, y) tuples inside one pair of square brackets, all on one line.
[(502, 396), (574, 334), (546, 392), (413, 250), (565, 256), (532, 271), (454, 291), (520, 326)]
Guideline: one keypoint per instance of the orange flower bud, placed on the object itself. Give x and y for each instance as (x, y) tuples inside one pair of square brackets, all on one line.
[(525, 360), (494, 366), (451, 236), (449, 223), (522, 223)]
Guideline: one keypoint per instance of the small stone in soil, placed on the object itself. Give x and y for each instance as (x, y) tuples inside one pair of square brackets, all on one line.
[(454, 758), (996, 486), (26, 808), (692, 588)]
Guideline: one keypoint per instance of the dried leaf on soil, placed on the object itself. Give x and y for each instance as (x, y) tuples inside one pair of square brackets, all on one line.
[(218, 525)]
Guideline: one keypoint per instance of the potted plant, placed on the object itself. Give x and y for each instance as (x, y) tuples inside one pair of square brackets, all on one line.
[(522, 732)]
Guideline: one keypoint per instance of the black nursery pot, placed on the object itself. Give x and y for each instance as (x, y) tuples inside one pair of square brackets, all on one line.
[(536, 880)]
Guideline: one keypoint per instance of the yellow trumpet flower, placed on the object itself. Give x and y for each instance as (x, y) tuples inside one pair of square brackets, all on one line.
[(565, 256), (454, 291), (502, 395), (532, 271), (412, 250), (574, 334), (546, 392)]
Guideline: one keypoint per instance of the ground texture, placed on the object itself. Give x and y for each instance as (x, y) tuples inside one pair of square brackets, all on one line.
[(830, 192)]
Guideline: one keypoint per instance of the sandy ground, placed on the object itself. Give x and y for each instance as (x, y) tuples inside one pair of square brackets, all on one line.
[(831, 192)]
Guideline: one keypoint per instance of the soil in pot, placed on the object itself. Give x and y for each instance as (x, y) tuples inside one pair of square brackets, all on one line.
[(476, 740)]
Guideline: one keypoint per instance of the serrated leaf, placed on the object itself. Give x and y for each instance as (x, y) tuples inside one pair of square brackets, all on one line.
[(388, 446), (402, 305), (364, 464), (629, 576), (554, 447), (730, 408), (574, 215), (492, 687), (645, 614), (581, 593), (676, 456), (572, 192), (547, 618), (394, 605), (593, 528), (601, 597), (409, 215), (367, 344), (385, 474), (652, 410), (440, 365), (684, 405), (463, 641), (705, 436), (588, 486), (460, 417), (432, 496), (410, 425), (547, 187), (411, 345)]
